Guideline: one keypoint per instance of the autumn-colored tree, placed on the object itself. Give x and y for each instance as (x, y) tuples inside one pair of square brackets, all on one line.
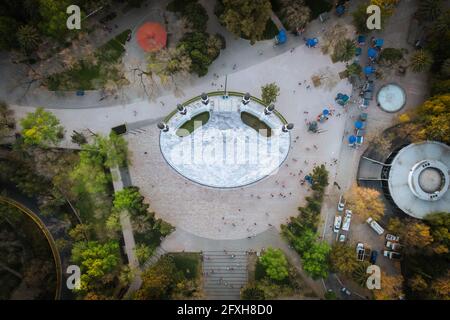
[(158, 281), (391, 288), (343, 259), (441, 287), (365, 202), (413, 234), (439, 223), (387, 6), (167, 64), (417, 283), (434, 116)]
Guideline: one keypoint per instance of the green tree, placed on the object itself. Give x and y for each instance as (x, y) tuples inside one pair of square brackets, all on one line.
[(252, 292), (295, 14), (269, 93), (275, 264), (54, 18), (98, 263), (429, 10), (247, 17), (315, 260), (320, 178), (7, 123), (344, 51), (391, 56), (129, 198), (354, 69), (360, 19), (143, 252), (28, 37), (8, 29), (41, 128), (421, 61)]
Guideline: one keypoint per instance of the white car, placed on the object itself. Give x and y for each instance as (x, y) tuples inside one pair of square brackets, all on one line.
[(341, 204), (392, 255), (395, 246), (342, 238), (359, 246), (391, 237), (347, 220), (337, 223)]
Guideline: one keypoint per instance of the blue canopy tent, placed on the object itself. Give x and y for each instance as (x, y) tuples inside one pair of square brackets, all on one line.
[(351, 139), (361, 40), (359, 124), (372, 53), (281, 37), (312, 42), (379, 43), (340, 10), (325, 112), (369, 70)]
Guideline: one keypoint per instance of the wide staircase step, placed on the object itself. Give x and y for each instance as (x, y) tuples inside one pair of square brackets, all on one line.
[(224, 274)]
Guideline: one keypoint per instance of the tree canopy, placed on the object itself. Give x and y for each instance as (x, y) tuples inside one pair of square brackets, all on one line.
[(247, 17), (275, 264), (365, 202), (41, 128)]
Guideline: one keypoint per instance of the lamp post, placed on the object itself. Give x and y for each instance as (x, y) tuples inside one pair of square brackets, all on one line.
[(246, 99), (163, 126), (205, 99), (287, 127), (269, 109), (182, 109)]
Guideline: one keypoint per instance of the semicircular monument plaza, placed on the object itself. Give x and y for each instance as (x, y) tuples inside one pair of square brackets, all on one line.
[(225, 140)]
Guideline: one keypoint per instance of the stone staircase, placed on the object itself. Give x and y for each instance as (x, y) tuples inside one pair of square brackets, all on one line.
[(224, 274), (154, 258)]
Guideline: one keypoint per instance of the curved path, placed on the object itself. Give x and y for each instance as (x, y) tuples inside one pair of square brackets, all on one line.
[(47, 235)]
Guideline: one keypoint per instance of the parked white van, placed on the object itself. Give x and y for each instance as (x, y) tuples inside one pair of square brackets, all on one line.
[(375, 226)]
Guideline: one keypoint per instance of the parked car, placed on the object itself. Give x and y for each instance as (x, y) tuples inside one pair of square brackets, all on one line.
[(341, 204), (375, 226), (395, 246), (346, 291), (392, 255), (373, 257), (347, 220), (342, 238), (337, 223), (391, 237), (360, 251)]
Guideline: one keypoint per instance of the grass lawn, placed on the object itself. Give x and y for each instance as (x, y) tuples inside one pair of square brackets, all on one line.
[(188, 127), (189, 263), (86, 75), (256, 124)]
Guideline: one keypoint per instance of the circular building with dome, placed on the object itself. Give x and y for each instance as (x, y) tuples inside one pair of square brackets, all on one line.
[(418, 178)]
